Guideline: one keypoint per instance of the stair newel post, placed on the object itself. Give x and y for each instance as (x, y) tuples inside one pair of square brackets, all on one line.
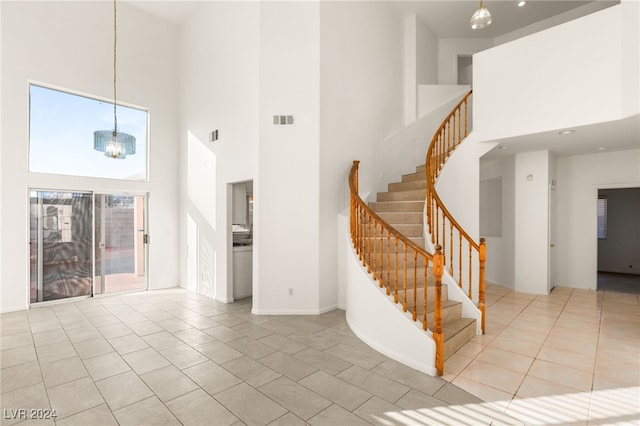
[(481, 304), (438, 271)]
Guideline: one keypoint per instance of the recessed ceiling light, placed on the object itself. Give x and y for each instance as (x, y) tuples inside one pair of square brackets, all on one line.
[(503, 147), (566, 132), (522, 3), (602, 148)]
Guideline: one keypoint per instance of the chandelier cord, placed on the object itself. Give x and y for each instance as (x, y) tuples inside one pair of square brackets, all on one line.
[(115, 41)]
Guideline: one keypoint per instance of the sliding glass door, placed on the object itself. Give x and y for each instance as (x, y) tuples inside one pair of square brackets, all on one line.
[(120, 248), (82, 244), (61, 241)]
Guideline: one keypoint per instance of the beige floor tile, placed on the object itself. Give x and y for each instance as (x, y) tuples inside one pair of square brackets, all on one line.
[(249, 405), (63, 371), (145, 360), (336, 415), (363, 357), (50, 337), (144, 328), (491, 375), (283, 344), (251, 348), (146, 412), (251, 371), (288, 366), (211, 377), (20, 376), (223, 333), (129, 343), (123, 389), (168, 383), (517, 345), (73, 397), (112, 331), (107, 365), (408, 376), (173, 325), (80, 334), (183, 356), (380, 412), (569, 359), (11, 341), (199, 408), (470, 350), (218, 352), (162, 340), (375, 384), (26, 398), (336, 390), (498, 398), (227, 320), (577, 379), (55, 351), (322, 360), (288, 419), (416, 400), (194, 337), (296, 398), (18, 355), (533, 387), (93, 347), (505, 359)]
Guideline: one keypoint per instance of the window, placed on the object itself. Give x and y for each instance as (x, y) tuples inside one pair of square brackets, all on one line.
[(61, 136), (602, 217)]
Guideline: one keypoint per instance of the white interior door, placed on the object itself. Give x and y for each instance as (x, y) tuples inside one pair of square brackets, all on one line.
[(553, 251)]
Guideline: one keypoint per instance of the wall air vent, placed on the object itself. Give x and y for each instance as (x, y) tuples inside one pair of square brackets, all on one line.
[(283, 120), (213, 136)]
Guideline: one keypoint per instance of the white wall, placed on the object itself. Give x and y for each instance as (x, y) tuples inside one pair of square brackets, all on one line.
[(448, 51), (500, 250), (361, 102), (433, 96), (287, 207), (579, 178), (620, 250), (531, 221), (219, 77), (426, 54), (68, 45), (565, 76)]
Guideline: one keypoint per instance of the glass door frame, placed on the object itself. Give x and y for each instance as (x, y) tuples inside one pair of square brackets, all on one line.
[(145, 246)]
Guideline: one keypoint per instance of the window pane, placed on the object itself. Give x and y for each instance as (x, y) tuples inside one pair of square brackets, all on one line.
[(602, 217), (61, 136)]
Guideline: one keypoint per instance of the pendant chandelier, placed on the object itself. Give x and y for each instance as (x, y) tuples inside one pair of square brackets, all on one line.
[(481, 18), (114, 144)]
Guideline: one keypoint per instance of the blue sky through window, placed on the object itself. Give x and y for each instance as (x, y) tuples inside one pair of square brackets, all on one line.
[(61, 136)]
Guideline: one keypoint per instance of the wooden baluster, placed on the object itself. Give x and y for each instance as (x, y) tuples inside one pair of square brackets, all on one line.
[(375, 244), (459, 126), (368, 243), (388, 262), (415, 285), (425, 284), (437, 222), (466, 117), (395, 296), (451, 249), (453, 141), (438, 270), (470, 271), (444, 238), (404, 280), (361, 224), (460, 260), (481, 304)]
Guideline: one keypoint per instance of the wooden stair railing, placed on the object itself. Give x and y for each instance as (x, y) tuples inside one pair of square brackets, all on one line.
[(445, 231), (398, 264)]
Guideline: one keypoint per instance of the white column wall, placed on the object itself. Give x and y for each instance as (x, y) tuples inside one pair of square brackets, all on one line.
[(69, 45), (448, 51), (219, 64), (361, 102), (579, 178), (531, 221), (288, 182)]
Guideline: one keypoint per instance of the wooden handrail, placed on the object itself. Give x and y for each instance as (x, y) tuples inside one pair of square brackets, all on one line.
[(384, 251), (444, 142)]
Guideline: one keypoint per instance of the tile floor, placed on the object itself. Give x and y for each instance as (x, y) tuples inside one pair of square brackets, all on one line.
[(569, 358), (172, 357)]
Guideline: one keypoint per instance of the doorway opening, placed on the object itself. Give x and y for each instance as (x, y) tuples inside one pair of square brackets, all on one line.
[(618, 246), (242, 237), (465, 70)]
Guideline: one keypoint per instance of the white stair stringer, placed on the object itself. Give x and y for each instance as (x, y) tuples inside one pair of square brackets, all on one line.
[(375, 319)]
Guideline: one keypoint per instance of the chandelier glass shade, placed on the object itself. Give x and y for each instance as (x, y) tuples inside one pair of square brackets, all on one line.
[(481, 18), (114, 144)]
